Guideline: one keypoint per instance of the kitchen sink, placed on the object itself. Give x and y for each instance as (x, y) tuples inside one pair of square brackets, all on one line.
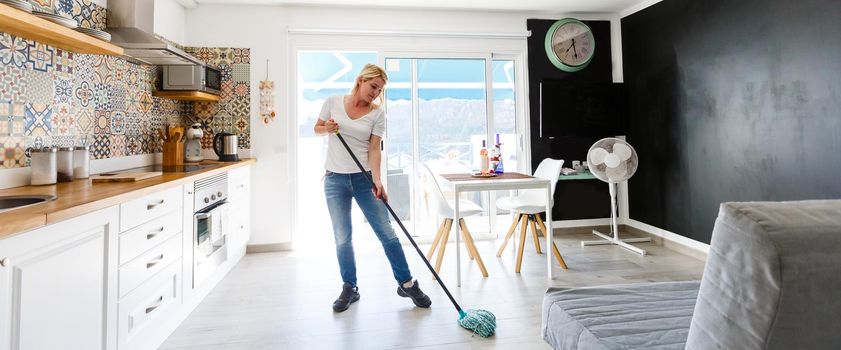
[(15, 202)]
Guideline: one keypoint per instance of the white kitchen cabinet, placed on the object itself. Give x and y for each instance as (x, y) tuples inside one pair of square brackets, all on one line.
[(239, 200), (58, 285), (150, 313)]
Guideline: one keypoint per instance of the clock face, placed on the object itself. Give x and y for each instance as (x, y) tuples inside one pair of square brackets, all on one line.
[(570, 44)]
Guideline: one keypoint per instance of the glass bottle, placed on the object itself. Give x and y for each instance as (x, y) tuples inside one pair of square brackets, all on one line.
[(483, 158)]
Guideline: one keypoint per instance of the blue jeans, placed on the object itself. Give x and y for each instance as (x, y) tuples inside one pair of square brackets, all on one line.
[(339, 190)]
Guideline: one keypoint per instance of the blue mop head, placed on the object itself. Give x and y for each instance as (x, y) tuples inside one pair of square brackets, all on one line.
[(481, 322)]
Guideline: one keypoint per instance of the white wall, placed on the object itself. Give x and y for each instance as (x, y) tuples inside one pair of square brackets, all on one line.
[(169, 20), (264, 30)]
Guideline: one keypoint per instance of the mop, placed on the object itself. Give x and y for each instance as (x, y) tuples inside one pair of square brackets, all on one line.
[(481, 322)]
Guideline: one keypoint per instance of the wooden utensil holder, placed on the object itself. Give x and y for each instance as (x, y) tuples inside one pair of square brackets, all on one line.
[(173, 153)]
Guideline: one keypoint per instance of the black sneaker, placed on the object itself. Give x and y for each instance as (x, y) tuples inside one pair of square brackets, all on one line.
[(349, 295), (414, 292)]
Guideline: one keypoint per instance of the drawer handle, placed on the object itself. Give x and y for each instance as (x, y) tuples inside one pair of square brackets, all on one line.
[(152, 234), (155, 305), (153, 205), (4, 262), (155, 261)]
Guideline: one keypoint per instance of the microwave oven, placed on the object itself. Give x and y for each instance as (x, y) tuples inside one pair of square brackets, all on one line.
[(196, 78)]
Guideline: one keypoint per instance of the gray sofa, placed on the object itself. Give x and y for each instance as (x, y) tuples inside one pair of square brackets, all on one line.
[(772, 281)]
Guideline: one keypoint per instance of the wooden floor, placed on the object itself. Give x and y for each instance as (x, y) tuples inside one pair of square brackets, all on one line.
[(283, 300)]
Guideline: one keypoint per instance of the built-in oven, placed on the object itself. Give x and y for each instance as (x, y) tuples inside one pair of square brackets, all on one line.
[(210, 226)]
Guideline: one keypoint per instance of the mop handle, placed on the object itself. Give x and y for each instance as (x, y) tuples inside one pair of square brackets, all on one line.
[(405, 231)]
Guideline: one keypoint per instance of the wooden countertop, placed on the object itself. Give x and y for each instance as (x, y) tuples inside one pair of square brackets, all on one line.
[(81, 197)]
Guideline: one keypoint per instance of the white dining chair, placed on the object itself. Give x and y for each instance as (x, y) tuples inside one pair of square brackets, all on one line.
[(527, 206), (443, 208)]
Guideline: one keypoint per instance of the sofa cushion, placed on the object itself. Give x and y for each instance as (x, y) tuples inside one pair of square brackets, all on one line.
[(643, 315), (771, 280)]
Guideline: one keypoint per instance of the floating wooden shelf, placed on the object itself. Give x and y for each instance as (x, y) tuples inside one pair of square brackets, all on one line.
[(187, 95), (27, 25)]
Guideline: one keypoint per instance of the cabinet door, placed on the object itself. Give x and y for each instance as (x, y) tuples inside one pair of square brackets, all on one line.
[(58, 284)]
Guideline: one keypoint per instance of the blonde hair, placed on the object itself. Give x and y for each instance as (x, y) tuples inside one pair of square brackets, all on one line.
[(368, 72)]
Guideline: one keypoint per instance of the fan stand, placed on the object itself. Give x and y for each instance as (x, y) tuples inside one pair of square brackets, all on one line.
[(615, 230)]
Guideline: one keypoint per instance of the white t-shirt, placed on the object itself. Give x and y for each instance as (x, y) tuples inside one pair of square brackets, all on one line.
[(356, 132)]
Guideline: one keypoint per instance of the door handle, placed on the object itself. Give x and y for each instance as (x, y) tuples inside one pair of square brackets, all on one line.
[(154, 306), (153, 205), (152, 234), (155, 261)]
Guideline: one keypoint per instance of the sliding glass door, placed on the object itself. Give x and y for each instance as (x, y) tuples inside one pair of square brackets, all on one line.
[(439, 117)]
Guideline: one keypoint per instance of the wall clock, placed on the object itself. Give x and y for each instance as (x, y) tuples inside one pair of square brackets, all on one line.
[(570, 44)]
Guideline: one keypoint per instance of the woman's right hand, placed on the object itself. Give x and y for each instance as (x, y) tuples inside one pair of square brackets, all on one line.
[(331, 126)]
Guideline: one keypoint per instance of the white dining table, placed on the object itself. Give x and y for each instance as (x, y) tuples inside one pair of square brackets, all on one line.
[(505, 181)]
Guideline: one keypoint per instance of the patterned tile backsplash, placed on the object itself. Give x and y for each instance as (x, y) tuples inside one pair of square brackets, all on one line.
[(231, 113), (52, 97)]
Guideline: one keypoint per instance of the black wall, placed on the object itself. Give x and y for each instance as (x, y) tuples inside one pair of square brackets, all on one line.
[(577, 199), (731, 101)]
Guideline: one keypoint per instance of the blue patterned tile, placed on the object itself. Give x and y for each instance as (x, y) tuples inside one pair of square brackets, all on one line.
[(40, 56), (62, 90), (13, 50), (38, 119)]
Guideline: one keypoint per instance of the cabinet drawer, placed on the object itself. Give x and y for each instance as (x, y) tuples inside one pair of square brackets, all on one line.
[(148, 235), (142, 313), (143, 209), (239, 181), (148, 264)]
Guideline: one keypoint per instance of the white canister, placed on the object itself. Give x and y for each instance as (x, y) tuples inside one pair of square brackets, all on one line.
[(64, 164), (43, 163), (81, 162)]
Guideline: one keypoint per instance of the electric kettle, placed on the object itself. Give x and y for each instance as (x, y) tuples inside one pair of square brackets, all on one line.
[(225, 146)]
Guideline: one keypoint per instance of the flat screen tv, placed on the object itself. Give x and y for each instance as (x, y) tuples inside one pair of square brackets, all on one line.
[(573, 116), (582, 109)]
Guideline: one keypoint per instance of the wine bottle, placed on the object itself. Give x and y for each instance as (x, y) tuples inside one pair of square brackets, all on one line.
[(498, 151), (483, 158)]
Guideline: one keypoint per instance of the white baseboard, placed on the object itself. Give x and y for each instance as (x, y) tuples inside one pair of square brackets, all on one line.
[(269, 247), (671, 236)]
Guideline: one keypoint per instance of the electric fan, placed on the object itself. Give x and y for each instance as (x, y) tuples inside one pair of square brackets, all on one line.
[(613, 160)]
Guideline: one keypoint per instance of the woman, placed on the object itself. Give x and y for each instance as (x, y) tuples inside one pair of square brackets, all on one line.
[(362, 124)]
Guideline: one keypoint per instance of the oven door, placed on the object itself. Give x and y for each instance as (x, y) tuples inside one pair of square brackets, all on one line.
[(210, 241)]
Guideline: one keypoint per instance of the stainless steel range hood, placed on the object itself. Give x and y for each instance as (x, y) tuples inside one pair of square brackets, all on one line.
[(131, 25)]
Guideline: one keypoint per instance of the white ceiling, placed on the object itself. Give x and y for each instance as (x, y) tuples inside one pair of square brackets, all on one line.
[(551, 6)]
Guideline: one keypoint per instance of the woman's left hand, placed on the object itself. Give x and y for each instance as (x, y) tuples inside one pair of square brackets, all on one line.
[(379, 191)]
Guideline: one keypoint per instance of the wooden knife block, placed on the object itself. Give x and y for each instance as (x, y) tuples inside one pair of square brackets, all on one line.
[(173, 153)]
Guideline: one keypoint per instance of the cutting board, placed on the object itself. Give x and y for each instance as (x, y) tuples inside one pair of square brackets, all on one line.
[(125, 177)]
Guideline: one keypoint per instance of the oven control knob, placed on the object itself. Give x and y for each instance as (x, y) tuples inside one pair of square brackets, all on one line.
[(219, 194), (206, 200), (213, 196)]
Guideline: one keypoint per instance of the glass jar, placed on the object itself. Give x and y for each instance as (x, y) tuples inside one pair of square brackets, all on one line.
[(81, 162), (64, 164), (43, 163)]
